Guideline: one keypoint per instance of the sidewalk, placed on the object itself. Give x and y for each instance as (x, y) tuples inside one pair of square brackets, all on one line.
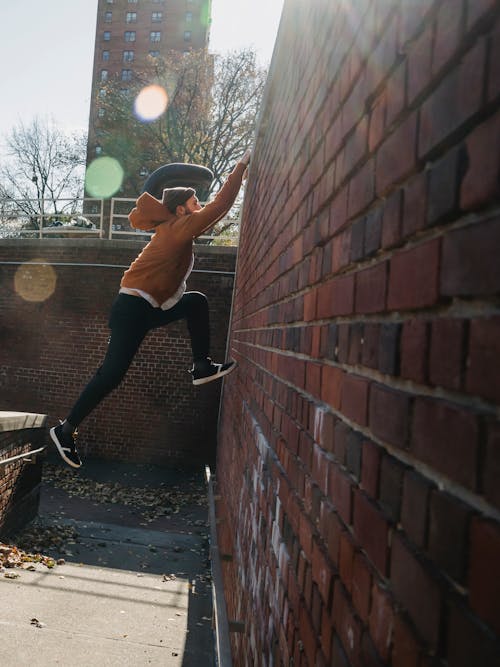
[(135, 587)]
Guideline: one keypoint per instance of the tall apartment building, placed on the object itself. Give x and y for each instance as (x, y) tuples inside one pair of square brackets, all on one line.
[(129, 32)]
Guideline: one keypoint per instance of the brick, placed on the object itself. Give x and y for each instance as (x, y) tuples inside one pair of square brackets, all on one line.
[(370, 350), (355, 343), (414, 277), (447, 353), (443, 189), (356, 145), (415, 507), (354, 398), (357, 240), (481, 183), (455, 100), (405, 650), (391, 220), (420, 64), (493, 88), (313, 378), (361, 189), (470, 264), (371, 287), (478, 10), (468, 640), (415, 205), (413, 15), (331, 378), (377, 121), (414, 346), (491, 467), (353, 455), (381, 621), (361, 586), (373, 232), (482, 365), (417, 591), (484, 589), (391, 487), (446, 437), (388, 356), (344, 331), (372, 531), (342, 431), (336, 297), (396, 157), (448, 529), (307, 634), (322, 573), (340, 493), (448, 33), (396, 93), (389, 414), (370, 467), (346, 560), (328, 342)]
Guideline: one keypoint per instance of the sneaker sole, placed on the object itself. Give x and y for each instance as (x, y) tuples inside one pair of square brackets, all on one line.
[(60, 449), (216, 376)]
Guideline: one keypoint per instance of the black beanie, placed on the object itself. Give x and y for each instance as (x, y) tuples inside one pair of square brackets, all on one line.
[(174, 197)]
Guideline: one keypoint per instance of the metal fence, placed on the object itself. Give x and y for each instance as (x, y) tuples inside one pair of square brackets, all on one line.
[(100, 218)]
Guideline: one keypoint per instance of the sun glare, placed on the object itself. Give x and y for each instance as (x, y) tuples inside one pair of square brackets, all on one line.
[(150, 103)]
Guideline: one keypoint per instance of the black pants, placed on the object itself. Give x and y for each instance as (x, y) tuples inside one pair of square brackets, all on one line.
[(130, 320)]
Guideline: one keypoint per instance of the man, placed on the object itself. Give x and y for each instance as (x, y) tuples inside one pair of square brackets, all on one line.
[(153, 294)]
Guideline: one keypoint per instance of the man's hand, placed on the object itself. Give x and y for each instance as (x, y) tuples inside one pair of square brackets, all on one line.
[(245, 159)]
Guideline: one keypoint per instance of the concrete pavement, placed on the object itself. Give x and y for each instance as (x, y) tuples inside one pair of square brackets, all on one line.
[(126, 595)]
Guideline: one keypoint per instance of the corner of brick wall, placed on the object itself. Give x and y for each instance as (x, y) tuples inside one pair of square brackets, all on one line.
[(20, 480), (359, 442)]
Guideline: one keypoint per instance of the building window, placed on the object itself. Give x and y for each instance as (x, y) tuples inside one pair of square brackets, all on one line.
[(105, 56), (154, 36), (104, 75), (110, 2), (101, 112), (131, 17), (156, 17), (102, 92), (189, 17), (108, 17), (130, 36), (98, 150), (187, 36), (132, 2), (126, 75), (124, 91), (106, 36), (154, 54), (128, 56)]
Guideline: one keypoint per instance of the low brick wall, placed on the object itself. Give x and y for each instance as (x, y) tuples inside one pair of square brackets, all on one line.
[(359, 454), (53, 336), (19, 479)]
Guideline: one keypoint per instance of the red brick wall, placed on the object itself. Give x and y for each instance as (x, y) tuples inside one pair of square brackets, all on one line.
[(20, 480), (49, 350), (358, 459)]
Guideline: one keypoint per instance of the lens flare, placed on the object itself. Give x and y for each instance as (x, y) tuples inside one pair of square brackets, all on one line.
[(150, 103), (104, 177), (35, 281)]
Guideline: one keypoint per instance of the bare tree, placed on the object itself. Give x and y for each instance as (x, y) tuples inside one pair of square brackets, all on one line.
[(44, 166), (213, 101)]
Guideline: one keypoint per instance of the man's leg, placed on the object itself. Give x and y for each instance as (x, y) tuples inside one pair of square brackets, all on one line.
[(128, 327), (193, 307)]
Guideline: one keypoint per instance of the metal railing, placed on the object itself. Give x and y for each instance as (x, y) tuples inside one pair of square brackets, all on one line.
[(36, 218), (22, 456), (31, 218)]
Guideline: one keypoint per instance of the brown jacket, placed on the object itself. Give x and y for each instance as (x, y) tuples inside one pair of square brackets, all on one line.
[(163, 263)]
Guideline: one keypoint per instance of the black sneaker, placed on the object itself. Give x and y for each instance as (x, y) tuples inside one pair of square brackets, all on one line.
[(206, 371), (66, 446)]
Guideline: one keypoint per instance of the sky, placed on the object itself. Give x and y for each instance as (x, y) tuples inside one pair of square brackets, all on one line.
[(46, 63)]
